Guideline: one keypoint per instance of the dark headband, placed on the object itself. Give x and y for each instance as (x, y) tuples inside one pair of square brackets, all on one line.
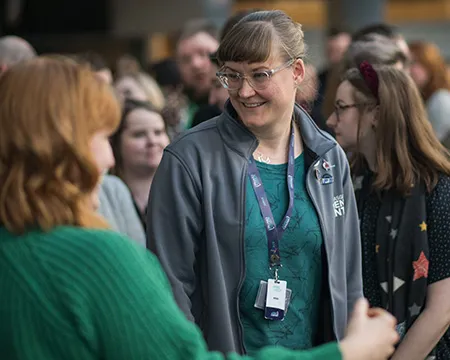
[(370, 77)]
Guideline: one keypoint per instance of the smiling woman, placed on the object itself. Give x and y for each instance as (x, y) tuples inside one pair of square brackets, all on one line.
[(138, 146), (233, 196)]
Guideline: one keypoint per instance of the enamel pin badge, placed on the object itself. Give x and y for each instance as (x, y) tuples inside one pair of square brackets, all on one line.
[(326, 179), (326, 165)]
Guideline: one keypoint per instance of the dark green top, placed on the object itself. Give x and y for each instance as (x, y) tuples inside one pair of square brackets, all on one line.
[(300, 250), (76, 294)]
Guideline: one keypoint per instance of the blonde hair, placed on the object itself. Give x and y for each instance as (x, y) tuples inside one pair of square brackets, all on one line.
[(50, 109)]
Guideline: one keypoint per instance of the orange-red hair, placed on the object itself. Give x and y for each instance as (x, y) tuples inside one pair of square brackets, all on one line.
[(429, 56), (49, 110)]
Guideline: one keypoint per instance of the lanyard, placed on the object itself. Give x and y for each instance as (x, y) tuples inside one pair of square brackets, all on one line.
[(274, 232)]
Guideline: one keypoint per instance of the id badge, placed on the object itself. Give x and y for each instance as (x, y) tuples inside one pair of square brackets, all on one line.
[(275, 300), (260, 301)]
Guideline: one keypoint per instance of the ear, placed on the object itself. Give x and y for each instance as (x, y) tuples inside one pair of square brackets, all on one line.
[(2, 68), (299, 71)]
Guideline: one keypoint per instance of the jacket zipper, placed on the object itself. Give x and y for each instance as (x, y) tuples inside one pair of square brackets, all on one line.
[(319, 215), (241, 243)]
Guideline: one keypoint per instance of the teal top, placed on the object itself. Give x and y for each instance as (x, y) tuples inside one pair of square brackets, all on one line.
[(74, 293), (300, 250)]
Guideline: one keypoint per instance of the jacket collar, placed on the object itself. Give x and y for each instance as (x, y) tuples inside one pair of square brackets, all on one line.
[(242, 140)]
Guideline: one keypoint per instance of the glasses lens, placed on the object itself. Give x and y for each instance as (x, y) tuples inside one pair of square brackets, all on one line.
[(260, 80)]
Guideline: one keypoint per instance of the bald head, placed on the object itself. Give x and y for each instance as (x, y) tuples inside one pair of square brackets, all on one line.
[(14, 49)]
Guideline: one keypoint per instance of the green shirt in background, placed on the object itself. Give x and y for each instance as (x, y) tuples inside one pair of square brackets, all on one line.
[(300, 250)]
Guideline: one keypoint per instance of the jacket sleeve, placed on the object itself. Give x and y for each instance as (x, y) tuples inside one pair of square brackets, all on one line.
[(174, 224), (130, 222), (352, 243)]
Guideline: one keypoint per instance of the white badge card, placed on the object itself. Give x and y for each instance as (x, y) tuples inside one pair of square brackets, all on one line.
[(260, 301), (275, 300)]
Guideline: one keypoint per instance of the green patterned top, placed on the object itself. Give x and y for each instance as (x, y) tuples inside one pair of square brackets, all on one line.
[(300, 250)]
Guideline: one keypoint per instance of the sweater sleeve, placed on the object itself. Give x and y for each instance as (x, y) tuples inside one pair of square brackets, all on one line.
[(126, 297)]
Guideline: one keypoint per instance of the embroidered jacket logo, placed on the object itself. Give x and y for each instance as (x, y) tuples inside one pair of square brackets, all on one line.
[(339, 205)]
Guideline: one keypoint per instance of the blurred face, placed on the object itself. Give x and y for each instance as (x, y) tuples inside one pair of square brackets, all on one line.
[(103, 156), (194, 62), (105, 75), (218, 95), (337, 46), (261, 100), (346, 117), (143, 141), (129, 88), (419, 74)]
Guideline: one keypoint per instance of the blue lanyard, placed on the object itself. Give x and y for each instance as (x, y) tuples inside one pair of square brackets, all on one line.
[(274, 232)]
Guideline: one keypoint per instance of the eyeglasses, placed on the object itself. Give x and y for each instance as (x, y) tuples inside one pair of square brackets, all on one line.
[(258, 80), (339, 109)]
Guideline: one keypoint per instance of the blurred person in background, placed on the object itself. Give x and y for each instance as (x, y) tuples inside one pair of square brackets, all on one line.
[(307, 93), (72, 289), (218, 95), (212, 230), (13, 50), (197, 41), (429, 71), (337, 42), (402, 182), (167, 75), (389, 31), (97, 63), (373, 48), (116, 204), (132, 83), (138, 146)]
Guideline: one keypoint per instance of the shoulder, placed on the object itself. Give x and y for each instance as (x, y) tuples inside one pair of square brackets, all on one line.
[(438, 99), (190, 147), (81, 247), (191, 136), (440, 195), (111, 183)]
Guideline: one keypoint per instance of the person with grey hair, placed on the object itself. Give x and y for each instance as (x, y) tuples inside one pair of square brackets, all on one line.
[(373, 48), (14, 49)]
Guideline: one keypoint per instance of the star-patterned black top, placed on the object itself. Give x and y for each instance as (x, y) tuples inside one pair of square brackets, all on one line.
[(438, 228)]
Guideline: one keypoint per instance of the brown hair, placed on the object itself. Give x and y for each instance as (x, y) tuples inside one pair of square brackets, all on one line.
[(429, 56), (373, 48), (254, 37), (128, 107), (407, 151), (49, 111)]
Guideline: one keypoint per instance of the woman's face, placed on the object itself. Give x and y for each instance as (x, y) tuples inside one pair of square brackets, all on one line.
[(347, 116), (419, 73), (143, 140), (263, 101)]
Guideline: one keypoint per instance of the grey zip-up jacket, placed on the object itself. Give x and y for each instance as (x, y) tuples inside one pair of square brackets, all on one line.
[(196, 218)]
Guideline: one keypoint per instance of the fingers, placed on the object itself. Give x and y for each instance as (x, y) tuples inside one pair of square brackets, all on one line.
[(361, 307), (386, 316)]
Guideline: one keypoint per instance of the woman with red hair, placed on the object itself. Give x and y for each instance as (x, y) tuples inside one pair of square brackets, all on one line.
[(429, 71)]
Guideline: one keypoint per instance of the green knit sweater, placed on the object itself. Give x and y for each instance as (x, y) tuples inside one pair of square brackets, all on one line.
[(85, 294)]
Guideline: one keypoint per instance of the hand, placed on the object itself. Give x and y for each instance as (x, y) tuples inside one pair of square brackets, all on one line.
[(371, 334)]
